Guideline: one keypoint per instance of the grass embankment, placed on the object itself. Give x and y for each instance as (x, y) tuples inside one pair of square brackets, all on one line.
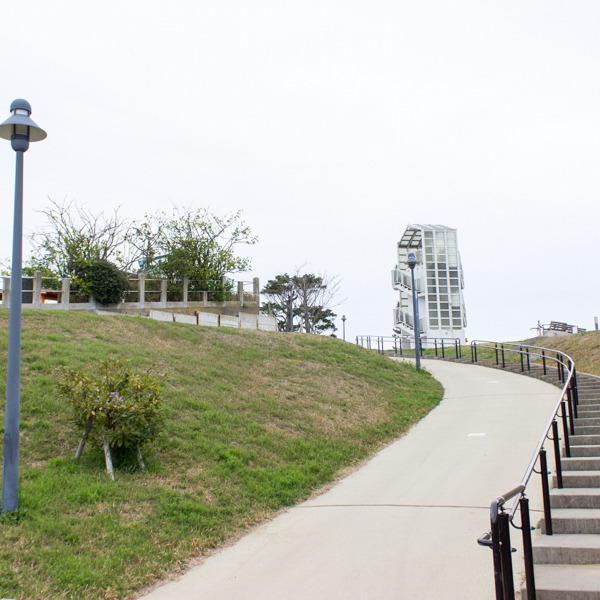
[(583, 348), (254, 422)]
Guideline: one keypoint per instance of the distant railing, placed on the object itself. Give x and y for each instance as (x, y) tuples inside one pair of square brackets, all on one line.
[(145, 292), (402, 346), (528, 358)]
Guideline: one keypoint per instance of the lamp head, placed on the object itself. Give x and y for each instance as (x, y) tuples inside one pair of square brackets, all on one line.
[(19, 128), (412, 260)]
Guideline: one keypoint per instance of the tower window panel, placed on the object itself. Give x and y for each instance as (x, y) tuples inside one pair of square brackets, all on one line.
[(434, 323), (445, 323)]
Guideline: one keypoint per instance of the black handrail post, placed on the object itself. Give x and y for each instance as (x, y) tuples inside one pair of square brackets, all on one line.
[(544, 361), (521, 355), (503, 363), (497, 559), (559, 480), (443, 354), (401, 350), (545, 492), (575, 392), (571, 415), (563, 410), (496, 348), (528, 361), (456, 343), (506, 553), (435, 341), (527, 548), (558, 365)]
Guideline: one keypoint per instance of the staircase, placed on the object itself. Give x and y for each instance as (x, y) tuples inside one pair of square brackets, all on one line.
[(567, 563)]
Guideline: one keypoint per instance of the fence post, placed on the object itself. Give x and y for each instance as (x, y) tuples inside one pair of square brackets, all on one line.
[(6, 292), (185, 283), (65, 294), (37, 289), (256, 290), (240, 292), (142, 289), (163, 292)]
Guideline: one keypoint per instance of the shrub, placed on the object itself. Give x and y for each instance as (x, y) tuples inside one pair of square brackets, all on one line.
[(105, 281), (116, 405)]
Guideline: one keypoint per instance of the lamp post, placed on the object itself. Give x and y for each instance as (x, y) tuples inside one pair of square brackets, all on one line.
[(20, 130), (291, 306), (412, 261), (344, 326)]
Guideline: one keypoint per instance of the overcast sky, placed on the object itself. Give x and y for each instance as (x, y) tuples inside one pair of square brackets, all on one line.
[(332, 125)]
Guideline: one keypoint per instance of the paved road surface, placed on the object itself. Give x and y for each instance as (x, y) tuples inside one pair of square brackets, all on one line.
[(405, 525)]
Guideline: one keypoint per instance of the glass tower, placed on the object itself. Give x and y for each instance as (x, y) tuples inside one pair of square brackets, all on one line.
[(438, 281)]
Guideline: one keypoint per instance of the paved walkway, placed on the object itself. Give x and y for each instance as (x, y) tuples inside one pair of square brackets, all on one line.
[(405, 525)]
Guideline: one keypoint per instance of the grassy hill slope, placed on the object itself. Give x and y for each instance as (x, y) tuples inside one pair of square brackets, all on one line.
[(255, 421), (583, 348)]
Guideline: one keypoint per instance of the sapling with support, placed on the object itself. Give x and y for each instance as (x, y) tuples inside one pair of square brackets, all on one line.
[(116, 407)]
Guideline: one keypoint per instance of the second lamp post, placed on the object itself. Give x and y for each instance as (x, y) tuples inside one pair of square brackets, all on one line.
[(412, 261)]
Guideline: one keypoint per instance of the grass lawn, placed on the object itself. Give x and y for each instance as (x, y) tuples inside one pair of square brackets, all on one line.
[(255, 421)]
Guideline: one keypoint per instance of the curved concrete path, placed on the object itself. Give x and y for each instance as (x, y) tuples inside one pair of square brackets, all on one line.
[(405, 525)]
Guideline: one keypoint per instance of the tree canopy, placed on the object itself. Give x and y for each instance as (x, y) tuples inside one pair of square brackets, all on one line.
[(192, 243)]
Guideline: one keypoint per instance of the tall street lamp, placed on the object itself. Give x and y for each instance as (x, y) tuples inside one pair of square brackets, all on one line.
[(344, 326), (412, 261), (20, 130)]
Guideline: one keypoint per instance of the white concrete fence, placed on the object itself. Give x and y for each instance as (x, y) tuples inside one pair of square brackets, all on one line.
[(239, 321), (59, 294)]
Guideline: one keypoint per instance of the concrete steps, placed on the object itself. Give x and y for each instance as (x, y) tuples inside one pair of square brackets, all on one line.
[(567, 563)]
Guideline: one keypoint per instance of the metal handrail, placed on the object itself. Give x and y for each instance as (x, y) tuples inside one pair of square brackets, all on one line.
[(397, 344), (498, 537)]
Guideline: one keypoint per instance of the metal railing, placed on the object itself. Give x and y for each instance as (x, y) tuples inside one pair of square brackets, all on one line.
[(528, 358), (402, 346)]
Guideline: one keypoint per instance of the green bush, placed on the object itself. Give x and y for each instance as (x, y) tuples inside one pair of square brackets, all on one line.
[(115, 404), (105, 281)]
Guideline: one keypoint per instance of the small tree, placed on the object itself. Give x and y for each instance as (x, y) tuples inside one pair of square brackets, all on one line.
[(116, 407), (312, 298)]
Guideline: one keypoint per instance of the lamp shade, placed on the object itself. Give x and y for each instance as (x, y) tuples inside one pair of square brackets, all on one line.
[(21, 109), (412, 260)]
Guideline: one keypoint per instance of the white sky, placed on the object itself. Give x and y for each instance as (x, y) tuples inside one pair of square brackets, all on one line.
[(332, 124)]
